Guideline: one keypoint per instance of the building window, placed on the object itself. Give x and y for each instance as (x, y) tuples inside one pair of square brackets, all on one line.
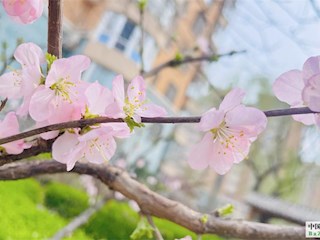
[(117, 31), (171, 92), (125, 35)]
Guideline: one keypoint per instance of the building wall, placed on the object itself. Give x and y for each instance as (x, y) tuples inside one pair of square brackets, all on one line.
[(179, 36)]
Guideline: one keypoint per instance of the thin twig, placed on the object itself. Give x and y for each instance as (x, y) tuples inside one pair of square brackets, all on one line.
[(155, 229), (3, 103), (156, 205), (141, 10), (188, 59), (88, 122)]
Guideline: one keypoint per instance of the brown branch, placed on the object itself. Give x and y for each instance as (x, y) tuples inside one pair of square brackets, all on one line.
[(42, 146), (188, 59), (55, 28), (156, 205), (87, 122), (155, 229)]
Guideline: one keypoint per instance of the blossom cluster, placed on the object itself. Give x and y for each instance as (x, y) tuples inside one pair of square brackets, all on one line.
[(61, 96), (301, 88)]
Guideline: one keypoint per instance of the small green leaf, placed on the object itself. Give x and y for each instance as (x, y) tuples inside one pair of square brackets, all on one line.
[(142, 231), (214, 58), (142, 4), (225, 210), (204, 219), (132, 124), (178, 57), (50, 59)]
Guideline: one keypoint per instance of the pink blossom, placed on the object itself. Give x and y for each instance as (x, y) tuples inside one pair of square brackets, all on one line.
[(96, 146), (185, 238), (230, 130), (98, 98), (23, 82), (300, 89), (8, 127), (62, 97), (135, 105), (23, 11)]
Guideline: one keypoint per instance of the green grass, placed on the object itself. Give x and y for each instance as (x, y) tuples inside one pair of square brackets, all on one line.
[(22, 213), (65, 200), (31, 211)]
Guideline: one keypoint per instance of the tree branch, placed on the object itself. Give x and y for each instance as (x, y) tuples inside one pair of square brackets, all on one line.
[(155, 204), (188, 59), (88, 122), (55, 28)]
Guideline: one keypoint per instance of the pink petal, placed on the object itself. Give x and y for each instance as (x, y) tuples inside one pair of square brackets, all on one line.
[(311, 67), (288, 87), (200, 154), (29, 54), (10, 85), (66, 149), (151, 110), (211, 119), (101, 150), (136, 90), (311, 93), (69, 69), (114, 111), (96, 133), (119, 130), (307, 119), (221, 160), (118, 90), (40, 108), (98, 97), (250, 120), (232, 99)]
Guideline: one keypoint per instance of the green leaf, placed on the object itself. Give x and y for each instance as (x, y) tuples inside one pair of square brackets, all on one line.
[(142, 230), (142, 4), (204, 219), (225, 210), (214, 58), (178, 57), (50, 59), (132, 124)]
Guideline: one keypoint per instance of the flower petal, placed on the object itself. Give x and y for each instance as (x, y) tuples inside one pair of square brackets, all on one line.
[(310, 68), (40, 107), (136, 90), (232, 99), (220, 160), (29, 54), (10, 85), (151, 110), (211, 119), (311, 93), (250, 120), (118, 90), (199, 155), (288, 87)]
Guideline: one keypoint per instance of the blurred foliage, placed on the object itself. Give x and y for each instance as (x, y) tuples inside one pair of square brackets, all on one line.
[(22, 215), (65, 200)]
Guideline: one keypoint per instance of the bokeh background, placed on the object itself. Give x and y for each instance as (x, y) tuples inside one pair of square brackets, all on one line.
[(278, 182)]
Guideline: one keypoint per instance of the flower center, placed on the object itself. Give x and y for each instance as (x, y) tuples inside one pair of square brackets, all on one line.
[(62, 88), (228, 138)]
